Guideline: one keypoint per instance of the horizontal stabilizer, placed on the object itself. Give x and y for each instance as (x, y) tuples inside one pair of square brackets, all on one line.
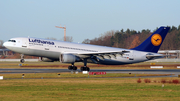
[(154, 56)]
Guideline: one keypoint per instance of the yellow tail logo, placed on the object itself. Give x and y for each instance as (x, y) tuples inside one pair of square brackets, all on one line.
[(156, 39)]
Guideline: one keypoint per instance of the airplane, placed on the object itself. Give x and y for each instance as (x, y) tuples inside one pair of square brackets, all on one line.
[(67, 52)]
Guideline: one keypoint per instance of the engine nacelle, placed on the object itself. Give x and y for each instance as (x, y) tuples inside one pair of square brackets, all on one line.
[(44, 59), (69, 58)]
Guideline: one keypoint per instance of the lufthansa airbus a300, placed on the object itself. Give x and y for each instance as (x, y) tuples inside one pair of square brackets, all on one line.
[(67, 52)]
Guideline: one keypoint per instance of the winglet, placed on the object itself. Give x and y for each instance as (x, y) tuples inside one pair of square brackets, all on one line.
[(153, 42)]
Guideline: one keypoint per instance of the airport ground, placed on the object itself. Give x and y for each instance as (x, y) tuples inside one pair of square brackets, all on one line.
[(51, 65), (67, 86)]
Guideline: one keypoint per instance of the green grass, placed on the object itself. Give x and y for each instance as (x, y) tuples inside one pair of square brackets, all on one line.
[(90, 89), (78, 87)]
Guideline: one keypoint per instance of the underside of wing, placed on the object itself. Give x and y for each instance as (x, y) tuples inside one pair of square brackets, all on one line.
[(100, 55)]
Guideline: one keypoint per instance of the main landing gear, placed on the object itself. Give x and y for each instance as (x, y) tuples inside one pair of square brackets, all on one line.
[(82, 68), (85, 68), (72, 67)]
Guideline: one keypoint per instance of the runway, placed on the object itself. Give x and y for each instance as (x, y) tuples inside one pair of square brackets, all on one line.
[(172, 72), (138, 71)]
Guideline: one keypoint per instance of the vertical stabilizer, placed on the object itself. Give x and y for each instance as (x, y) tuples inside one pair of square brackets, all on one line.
[(153, 42)]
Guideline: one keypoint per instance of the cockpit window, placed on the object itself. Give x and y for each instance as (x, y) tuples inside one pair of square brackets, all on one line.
[(11, 40)]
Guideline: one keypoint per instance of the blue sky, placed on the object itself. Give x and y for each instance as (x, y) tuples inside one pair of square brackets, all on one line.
[(83, 18)]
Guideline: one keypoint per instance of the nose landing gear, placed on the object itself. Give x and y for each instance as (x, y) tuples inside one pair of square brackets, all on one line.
[(22, 58)]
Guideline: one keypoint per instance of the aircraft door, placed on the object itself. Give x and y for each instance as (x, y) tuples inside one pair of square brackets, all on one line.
[(131, 55), (24, 43)]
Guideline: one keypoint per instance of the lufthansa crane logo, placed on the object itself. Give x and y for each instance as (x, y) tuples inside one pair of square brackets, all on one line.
[(156, 39)]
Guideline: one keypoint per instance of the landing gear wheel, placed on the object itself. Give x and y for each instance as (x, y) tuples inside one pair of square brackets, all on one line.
[(82, 69), (70, 67), (88, 69), (74, 68), (22, 60), (85, 69)]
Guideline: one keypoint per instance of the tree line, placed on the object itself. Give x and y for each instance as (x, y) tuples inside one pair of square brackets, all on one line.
[(131, 38)]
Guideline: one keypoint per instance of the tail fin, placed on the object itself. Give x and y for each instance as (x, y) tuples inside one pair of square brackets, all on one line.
[(153, 42)]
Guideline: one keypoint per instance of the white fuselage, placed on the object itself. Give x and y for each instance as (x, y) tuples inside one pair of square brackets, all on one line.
[(53, 49)]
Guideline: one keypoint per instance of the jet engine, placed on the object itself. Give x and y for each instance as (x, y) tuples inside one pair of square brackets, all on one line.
[(44, 59), (69, 58)]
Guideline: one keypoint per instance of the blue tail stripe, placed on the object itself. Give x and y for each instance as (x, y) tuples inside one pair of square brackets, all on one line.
[(148, 45)]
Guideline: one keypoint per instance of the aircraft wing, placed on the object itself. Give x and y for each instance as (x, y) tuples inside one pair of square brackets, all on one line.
[(101, 55), (104, 53)]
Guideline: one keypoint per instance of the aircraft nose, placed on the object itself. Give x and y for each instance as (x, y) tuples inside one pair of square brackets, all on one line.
[(5, 44)]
